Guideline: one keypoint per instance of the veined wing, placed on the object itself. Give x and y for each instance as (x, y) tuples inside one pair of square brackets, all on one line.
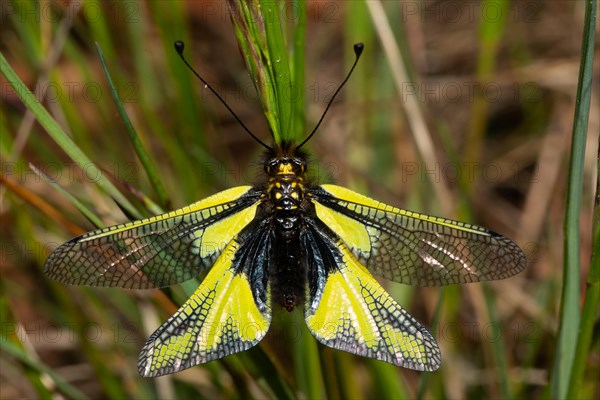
[(229, 313), (348, 310), (158, 251), (413, 248)]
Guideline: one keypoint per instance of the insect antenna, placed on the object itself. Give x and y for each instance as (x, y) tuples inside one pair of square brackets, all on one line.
[(179, 47), (358, 49)]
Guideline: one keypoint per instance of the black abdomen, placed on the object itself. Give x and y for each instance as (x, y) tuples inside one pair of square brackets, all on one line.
[(288, 275)]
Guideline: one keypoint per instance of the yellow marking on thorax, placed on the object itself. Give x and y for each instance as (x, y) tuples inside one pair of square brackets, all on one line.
[(285, 169)]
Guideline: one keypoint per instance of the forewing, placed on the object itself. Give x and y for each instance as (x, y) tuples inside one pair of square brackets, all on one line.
[(348, 310), (158, 251), (229, 313), (413, 248)]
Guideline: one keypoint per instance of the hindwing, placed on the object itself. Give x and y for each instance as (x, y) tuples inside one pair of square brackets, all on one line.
[(229, 312), (348, 310), (157, 251), (413, 248)]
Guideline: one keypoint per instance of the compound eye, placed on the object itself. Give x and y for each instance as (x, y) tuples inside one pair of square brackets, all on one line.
[(270, 165), (299, 164)]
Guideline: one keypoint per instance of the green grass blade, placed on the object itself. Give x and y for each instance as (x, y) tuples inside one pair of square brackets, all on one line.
[(172, 24), (100, 29), (278, 65), (424, 383), (569, 345), (386, 381), (59, 136), (498, 346), (265, 373), (250, 36), (588, 316), (72, 199), (28, 31), (147, 163), (490, 35), (343, 370), (306, 360), (298, 56), (260, 37), (569, 310)]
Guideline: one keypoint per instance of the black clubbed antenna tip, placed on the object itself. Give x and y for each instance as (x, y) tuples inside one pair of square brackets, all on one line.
[(358, 49), (179, 47)]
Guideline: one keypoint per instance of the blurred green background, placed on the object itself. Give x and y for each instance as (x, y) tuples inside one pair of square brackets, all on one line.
[(458, 109)]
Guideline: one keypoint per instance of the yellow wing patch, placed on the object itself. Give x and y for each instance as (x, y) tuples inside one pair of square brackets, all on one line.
[(352, 232), (354, 313), (220, 318), (214, 238), (341, 308)]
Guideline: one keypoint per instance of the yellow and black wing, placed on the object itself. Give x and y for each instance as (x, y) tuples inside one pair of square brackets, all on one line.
[(158, 251), (413, 248), (348, 310), (229, 313)]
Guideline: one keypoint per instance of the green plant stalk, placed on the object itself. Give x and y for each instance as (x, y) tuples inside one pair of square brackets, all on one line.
[(184, 147), (278, 65), (435, 321), (386, 381), (265, 372), (99, 28), (330, 382), (35, 379), (345, 368), (147, 163), (592, 293), (498, 346), (29, 33), (59, 136), (297, 66), (363, 89), (567, 342), (491, 31), (144, 72), (490, 34), (260, 37), (250, 36), (588, 315), (170, 18), (309, 376), (70, 198)]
